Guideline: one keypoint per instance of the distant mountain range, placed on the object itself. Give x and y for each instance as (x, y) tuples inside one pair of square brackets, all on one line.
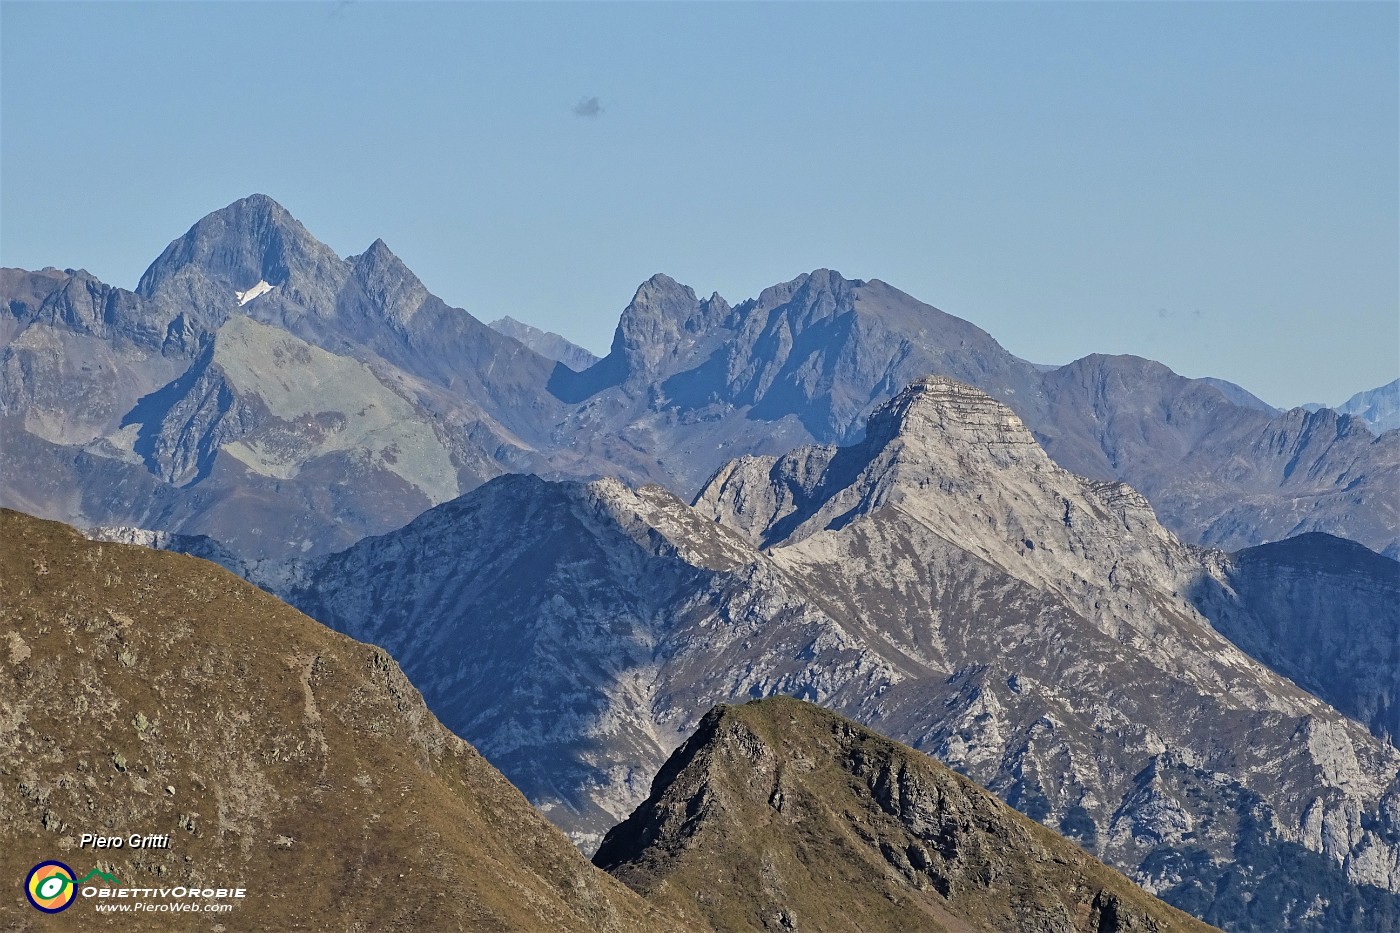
[(550, 346), (153, 693), (259, 389), (1151, 613), (941, 580), (1380, 407)]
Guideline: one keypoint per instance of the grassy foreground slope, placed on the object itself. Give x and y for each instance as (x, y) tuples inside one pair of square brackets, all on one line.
[(152, 693)]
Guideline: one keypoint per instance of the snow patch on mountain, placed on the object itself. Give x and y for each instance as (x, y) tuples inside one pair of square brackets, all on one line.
[(262, 288)]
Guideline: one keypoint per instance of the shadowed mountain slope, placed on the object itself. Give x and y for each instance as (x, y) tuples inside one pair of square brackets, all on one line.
[(1322, 611), (1221, 474), (941, 580)]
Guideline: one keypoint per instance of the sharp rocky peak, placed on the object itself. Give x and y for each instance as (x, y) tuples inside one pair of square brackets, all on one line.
[(818, 287), (378, 255), (947, 456), (662, 319), (936, 432), (252, 240), (391, 286)]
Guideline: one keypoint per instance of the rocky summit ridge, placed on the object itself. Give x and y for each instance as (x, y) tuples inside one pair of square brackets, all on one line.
[(689, 383), (962, 465), (941, 580), (155, 694)]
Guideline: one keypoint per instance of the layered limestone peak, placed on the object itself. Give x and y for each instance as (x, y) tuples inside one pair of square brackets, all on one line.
[(937, 433), (939, 411), (656, 519), (949, 459)]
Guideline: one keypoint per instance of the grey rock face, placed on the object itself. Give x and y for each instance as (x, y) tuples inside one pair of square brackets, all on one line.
[(943, 581), (689, 384), (369, 306), (1240, 395), (1379, 407), (546, 344), (244, 432), (203, 273), (251, 390), (1323, 612), (573, 615)]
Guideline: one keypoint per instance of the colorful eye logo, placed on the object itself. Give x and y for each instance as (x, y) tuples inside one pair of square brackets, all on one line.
[(50, 887)]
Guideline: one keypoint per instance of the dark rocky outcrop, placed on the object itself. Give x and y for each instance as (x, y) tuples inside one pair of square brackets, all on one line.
[(1322, 611)]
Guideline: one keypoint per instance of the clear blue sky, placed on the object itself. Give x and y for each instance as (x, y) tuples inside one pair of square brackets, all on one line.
[(1214, 186)]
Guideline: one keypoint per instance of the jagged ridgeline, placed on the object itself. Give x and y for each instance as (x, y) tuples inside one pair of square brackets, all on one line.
[(855, 498), (780, 815), (261, 390), (145, 692), (944, 581), (154, 693)]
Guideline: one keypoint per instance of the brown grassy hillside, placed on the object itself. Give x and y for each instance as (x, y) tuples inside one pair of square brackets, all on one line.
[(147, 692), (780, 815)]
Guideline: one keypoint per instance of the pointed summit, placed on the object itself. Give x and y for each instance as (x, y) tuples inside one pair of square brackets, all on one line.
[(660, 329), (395, 292), (248, 241), (936, 434), (946, 456), (820, 293), (731, 826), (223, 258), (663, 317)]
